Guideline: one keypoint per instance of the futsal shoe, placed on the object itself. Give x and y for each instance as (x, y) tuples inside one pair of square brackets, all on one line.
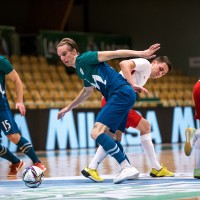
[(40, 165), (163, 172), (128, 173), (14, 168), (197, 173), (92, 174), (189, 134)]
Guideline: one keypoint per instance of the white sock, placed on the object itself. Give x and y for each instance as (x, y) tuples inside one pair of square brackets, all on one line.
[(197, 153), (196, 137), (197, 133), (98, 158), (148, 148)]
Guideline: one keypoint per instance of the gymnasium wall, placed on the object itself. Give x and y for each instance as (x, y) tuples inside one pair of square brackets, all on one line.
[(174, 24)]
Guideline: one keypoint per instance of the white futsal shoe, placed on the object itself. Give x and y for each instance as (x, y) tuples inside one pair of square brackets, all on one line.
[(126, 174)]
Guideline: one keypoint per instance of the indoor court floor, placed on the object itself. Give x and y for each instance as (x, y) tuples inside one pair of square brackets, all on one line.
[(63, 179)]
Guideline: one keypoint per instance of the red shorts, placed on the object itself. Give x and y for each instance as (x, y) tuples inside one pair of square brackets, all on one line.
[(196, 95), (133, 117)]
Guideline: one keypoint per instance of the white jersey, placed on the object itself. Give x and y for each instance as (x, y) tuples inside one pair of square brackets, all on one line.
[(141, 72)]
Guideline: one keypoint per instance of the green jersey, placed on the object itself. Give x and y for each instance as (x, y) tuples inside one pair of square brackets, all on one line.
[(5, 68), (98, 74)]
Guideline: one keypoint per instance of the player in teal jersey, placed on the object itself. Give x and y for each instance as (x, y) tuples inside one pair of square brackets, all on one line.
[(119, 93), (7, 123)]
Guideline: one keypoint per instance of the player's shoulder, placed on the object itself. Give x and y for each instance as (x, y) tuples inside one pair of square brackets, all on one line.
[(86, 54), (141, 61), (2, 57)]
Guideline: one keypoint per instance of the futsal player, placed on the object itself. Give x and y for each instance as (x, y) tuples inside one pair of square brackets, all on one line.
[(7, 123), (192, 134), (118, 92)]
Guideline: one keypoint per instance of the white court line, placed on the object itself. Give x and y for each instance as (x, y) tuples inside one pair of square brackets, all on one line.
[(142, 176)]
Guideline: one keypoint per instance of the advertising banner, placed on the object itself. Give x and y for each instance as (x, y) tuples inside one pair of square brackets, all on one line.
[(85, 41), (42, 128)]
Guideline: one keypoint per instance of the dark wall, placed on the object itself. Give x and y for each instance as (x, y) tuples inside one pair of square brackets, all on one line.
[(173, 23), (30, 16)]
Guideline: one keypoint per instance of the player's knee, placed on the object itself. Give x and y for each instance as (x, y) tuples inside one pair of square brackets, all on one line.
[(14, 137), (94, 134), (97, 130), (146, 128)]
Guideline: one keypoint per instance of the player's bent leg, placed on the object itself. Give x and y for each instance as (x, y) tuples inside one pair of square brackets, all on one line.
[(26, 147), (111, 147), (189, 134), (92, 174), (163, 172)]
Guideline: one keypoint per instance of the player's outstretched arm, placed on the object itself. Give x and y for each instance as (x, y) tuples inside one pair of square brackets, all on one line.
[(122, 53)]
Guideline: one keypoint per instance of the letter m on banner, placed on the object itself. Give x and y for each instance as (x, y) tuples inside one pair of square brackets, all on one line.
[(61, 130)]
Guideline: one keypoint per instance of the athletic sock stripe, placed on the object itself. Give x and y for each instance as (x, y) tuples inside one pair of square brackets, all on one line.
[(115, 152), (3, 151), (25, 147), (111, 151)]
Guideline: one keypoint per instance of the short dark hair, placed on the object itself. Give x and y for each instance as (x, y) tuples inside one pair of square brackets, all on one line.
[(164, 59), (69, 42)]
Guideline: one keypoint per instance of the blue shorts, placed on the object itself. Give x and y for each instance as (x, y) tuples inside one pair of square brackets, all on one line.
[(7, 123), (114, 114)]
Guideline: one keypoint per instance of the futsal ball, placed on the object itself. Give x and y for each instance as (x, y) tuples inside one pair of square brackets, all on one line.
[(32, 176)]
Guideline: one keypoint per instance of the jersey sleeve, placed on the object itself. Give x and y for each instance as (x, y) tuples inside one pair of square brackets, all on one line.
[(5, 66), (88, 58)]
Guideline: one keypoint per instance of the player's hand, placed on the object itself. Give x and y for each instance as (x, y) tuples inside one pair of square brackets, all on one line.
[(62, 112), (21, 107), (140, 89), (149, 53)]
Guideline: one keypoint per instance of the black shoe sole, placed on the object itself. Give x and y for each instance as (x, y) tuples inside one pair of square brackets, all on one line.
[(86, 174), (153, 175)]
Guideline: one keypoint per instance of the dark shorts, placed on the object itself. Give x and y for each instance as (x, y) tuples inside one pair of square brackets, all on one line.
[(7, 123), (114, 114), (133, 117)]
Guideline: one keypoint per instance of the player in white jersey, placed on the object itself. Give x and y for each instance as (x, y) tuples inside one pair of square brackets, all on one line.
[(138, 70), (192, 134)]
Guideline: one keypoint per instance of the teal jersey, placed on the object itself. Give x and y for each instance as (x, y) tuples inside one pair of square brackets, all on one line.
[(5, 68), (98, 74)]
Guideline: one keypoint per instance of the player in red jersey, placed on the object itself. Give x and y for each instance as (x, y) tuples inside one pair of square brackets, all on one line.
[(192, 134)]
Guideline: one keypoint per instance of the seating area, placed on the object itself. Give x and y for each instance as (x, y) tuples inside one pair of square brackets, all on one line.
[(50, 86), (46, 85), (174, 89)]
